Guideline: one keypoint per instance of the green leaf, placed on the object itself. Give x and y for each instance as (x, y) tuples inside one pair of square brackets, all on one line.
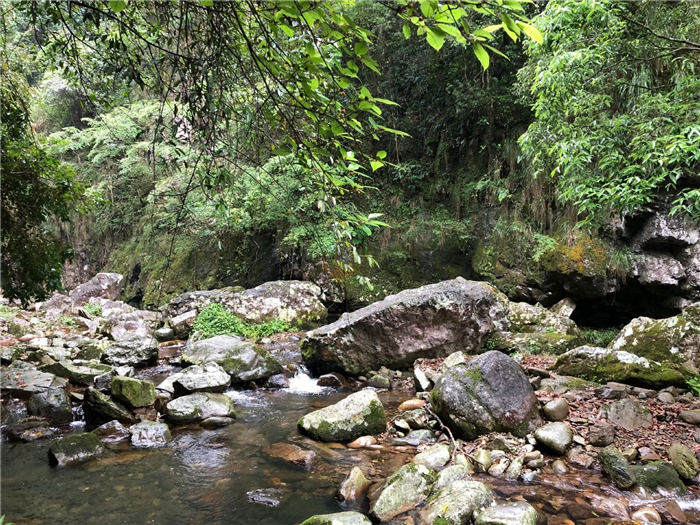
[(283, 151), (381, 155), (406, 31), (119, 5), (530, 31), (453, 31), (361, 48), (481, 54), (512, 30), (427, 7), (436, 38), (376, 164)]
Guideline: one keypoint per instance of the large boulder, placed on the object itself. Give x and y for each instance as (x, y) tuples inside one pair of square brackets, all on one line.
[(530, 318), (127, 326), (52, 404), (132, 392), (657, 269), (357, 415), (242, 360), (24, 383), (132, 352), (431, 321), (209, 377), (664, 232), (77, 373), (99, 408), (456, 503), (296, 302), (75, 448), (406, 488), (621, 366), (339, 518), (491, 393), (200, 406), (103, 285)]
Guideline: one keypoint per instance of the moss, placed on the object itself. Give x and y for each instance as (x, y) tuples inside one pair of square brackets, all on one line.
[(610, 369), (659, 475), (232, 365), (586, 256)]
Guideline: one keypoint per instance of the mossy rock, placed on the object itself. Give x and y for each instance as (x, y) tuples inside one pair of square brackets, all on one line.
[(133, 392), (659, 477), (339, 518), (75, 448), (406, 488), (532, 343)]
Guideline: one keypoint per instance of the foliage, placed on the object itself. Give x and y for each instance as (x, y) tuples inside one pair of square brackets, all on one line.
[(215, 320), (694, 384), (8, 312), (94, 309), (67, 321), (600, 338)]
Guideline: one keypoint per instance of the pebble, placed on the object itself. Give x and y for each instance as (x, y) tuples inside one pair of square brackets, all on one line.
[(363, 442), (601, 434), (556, 409), (666, 398), (559, 467), (646, 516), (411, 404)]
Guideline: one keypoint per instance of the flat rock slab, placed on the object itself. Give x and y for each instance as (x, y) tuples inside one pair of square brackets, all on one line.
[(340, 518), (23, 383), (148, 434), (210, 377), (292, 454), (75, 448), (199, 406), (627, 413), (77, 373)]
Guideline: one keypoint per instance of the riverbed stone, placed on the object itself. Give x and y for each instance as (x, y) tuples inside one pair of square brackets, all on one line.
[(406, 488), (75, 448), (616, 467), (23, 383), (99, 408), (482, 460), (545, 342), (353, 488), (671, 512), (556, 409), (209, 377), (358, 414), (112, 432), (52, 404), (456, 503), (126, 326), (646, 515), (683, 460), (627, 413), (601, 434), (77, 373), (182, 324), (292, 454), (28, 429), (431, 321), (199, 406), (132, 392), (517, 513), (217, 422), (491, 393), (139, 351), (659, 477), (460, 470), (691, 416), (435, 456), (242, 360), (150, 434), (339, 518)]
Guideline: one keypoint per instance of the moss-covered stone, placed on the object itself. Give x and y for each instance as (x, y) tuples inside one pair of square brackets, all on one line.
[(340, 518), (659, 477), (616, 467), (79, 374), (683, 460), (75, 448), (552, 343), (133, 392), (406, 488), (456, 503), (199, 406)]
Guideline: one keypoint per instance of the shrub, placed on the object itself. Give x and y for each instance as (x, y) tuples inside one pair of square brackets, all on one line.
[(215, 320)]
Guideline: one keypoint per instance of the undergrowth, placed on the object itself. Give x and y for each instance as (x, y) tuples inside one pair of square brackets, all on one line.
[(601, 338), (215, 320)]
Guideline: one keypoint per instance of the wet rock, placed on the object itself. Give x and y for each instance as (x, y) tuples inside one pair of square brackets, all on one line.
[(406, 488), (613, 508), (435, 456), (489, 394), (292, 454), (217, 422), (209, 377), (28, 430), (379, 381), (353, 488), (515, 469), (75, 448), (559, 467), (683, 460), (363, 442), (52, 404), (358, 414), (482, 460), (411, 404), (601, 434), (340, 518), (646, 516), (555, 436), (23, 383), (164, 334), (500, 465), (616, 467), (112, 432), (132, 352), (671, 512), (556, 409), (659, 477), (691, 416), (579, 458), (270, 497), (456, 503), (460, 470), (277, 381), (103, 382), (199, 406), (182, 324), (416, 437), (133, 393), (242, 360), (518, 513), (431, 321), (149, 434), (333, 379), (627, 413), (103, 285), (79, 374), (100, 408)]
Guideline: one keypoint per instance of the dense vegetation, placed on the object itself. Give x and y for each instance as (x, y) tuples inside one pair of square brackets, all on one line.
[(232, 143)]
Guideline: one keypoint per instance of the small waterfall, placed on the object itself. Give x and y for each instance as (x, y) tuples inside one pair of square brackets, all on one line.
[(303, 383)]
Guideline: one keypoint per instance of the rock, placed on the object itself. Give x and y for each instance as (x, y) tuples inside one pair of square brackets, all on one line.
[(423, 383), (556, 409), (647, 454), (133, 392), (411, 404), (532, 343), (340, 518), (79, 374), (646, 516), (277, 381), (23, 383), (456, 503), (358, 414), (518, 513), (416, 437), (671, 512), (363, 442), (52, 404), (611, 391), (559, 467), (622, 366), (663, 231), (515, 469), (666, 398), (217, 422), (627, 413), (148, 434), (243, 361), (657, 269), (112, 432), (353, 488), (456, 472), (555, 436), (100, 408), (611, 507), (333, 379), (28, 429), (132, 352), (431, 321), (683, 460), (75, 448), (126, 326), (489, 394), (529, 318), (210, 377), (564, 308), (292, 454), (659, 477), (630, 454), (199, 406), (691, 416), (482, 460), (500, 465), (103, 285), (182, 324), (406, 488), (601, 434), (269, 497), (435, 456), (615, 466), (379, 381), (164, 334), (579, 458)]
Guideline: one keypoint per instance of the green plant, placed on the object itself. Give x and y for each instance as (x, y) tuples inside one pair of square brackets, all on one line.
[(93, 309), (8, 312), (215, 320), (597, 337), (67, 322), (694, 384), (2, 521)]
